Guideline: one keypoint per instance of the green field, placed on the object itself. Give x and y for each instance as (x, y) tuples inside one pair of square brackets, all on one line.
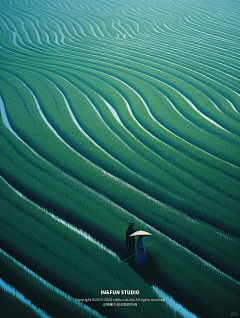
[(113, 112)]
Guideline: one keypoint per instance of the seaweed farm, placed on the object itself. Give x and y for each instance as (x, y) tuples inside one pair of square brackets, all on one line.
[(118, 111)]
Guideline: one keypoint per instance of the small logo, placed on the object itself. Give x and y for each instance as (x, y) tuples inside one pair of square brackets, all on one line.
[(234, 314)]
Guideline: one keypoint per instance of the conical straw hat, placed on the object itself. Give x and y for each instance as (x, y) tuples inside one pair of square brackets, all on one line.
[(140, 233)]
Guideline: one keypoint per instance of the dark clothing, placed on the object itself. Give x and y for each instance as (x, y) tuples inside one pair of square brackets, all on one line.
[(130, 241), (141, 253), (131, 250)]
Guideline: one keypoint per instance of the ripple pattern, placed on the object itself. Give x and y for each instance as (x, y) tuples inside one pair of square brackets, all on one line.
[(138, 104)]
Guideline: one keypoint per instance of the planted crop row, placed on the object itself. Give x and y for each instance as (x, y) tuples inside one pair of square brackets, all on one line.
[(166, 180), (13, 306), (161, 262), (163, 256), (122, 107), (169, 221), (234, 172), (53, 246)]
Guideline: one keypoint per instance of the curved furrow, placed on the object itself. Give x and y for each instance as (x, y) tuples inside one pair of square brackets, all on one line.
[(39, 11), (177, 307), (152, 229), (165, 183), (41, 3), (143, 102), (16, 37), (107, 127), (77, 28), (134, 91), (204, 79), (40, 25), (5, 120), (149, 18), (48, 125), (170, 302), (215, 106), (128, 161), (197, 26), (31, 47), (123, 28), (207, 34), (30, 308), (192, 23), (193, 36), (96, 28), (118, 119), (186, 60), (185, 45), (36, 41), (221, 67), (67, 225), (229, 69), (129, 109), (133, 116), (212, 22), (59, 28), (103, 7), (115, 111), (183, 70)]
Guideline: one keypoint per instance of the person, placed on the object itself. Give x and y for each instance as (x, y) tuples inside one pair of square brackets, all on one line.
[(130, 241), (140, 257)]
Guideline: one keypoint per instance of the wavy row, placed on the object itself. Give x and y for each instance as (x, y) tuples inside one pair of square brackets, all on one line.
[(113, 111)]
